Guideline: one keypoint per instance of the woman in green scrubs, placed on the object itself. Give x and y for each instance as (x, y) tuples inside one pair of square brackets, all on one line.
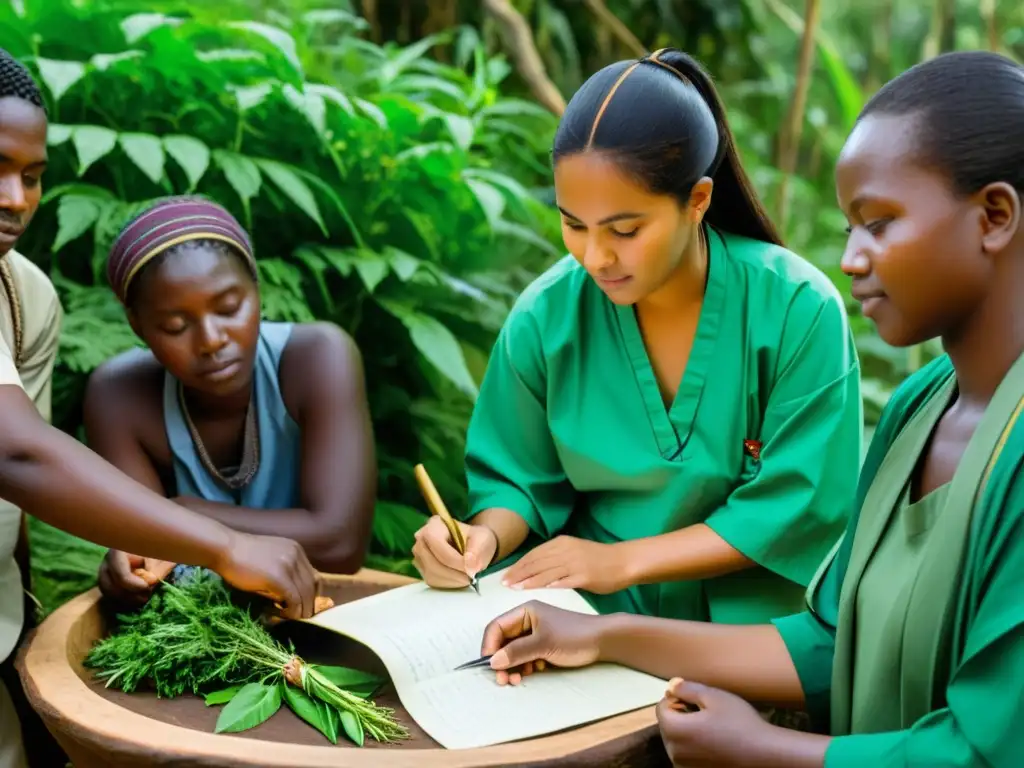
[(911, 649), (670, 420)]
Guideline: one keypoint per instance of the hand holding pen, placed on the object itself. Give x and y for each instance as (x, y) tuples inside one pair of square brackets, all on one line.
[(448, 553)]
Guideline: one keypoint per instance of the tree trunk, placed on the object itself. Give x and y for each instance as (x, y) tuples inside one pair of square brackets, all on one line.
[(613, 24), (518, 39), (373, 19), (442, 15)]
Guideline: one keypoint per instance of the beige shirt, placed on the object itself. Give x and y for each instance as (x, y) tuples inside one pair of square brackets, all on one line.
[(41, 317)]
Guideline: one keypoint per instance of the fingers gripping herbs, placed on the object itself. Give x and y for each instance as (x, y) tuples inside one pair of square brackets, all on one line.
[(192, 638)]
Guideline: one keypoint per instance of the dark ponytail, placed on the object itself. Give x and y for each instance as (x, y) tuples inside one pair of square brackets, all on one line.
[(663, 122)]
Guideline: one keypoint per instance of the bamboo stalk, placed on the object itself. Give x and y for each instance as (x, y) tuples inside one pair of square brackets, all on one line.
[(989, 17), (789, 140)]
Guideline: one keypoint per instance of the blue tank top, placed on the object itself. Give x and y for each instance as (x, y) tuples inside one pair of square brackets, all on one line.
[(276, 482)]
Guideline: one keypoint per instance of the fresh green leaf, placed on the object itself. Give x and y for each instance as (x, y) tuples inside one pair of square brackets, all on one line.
[(332, 94), (251, 96), (353, 727), (147, 152), (254, 704), (461, 129), (241, 172), (437, 344), (517, 108), (411, 53), (311, 104), (57, 134), (333, 196), (139, 25), (491, 201), (222, 697), (295, 188), (427, 83), (364, 691), (305, 707), (277, 37), (60, 76), (77, 188), (346, 677), (500, 180), (402, 264), (104, 61), (331, 719), (520, 232), (191, 154), (372, 269), (335, 16), (372, 111), (75, 215), (395, 526), (466, 43), (230, 54), (92, 143)]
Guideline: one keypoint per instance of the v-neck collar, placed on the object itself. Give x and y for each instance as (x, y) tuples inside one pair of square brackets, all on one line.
[(672, 426)]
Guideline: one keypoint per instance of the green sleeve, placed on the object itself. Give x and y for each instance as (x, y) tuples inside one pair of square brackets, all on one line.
[(511, 461), (810, 638), (981, 722), (790, 513)]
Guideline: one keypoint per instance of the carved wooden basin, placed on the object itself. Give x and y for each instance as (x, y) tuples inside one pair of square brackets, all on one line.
[(101, 728)]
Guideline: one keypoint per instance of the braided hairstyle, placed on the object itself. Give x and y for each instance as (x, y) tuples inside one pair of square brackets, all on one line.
[(16, 81)]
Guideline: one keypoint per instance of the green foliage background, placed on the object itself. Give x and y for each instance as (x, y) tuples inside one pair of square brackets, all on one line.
[(402, 189), (384, 192)]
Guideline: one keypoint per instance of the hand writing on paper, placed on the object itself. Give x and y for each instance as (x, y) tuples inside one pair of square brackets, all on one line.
[(528, 638), (566, 561), (723, 730), (440, 563)]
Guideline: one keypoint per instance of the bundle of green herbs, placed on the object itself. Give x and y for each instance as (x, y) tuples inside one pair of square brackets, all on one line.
[(194, 637)]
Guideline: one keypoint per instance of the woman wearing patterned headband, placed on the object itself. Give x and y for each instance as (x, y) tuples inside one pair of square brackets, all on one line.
[(670, 420), (262, 426)]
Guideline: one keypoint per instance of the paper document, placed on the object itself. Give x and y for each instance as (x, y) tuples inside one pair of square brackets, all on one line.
[(422, 634)]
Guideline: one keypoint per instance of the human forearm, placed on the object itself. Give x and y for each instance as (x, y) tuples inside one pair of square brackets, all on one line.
[(689, 554), (330, 547), (786, 748), (56, 479), (750, 661), (509, 528)]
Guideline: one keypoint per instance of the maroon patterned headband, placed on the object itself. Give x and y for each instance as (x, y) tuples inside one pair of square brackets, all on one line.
[(170, 222)]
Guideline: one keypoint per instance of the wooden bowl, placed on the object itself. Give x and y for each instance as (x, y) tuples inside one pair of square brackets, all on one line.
[(102, 728)]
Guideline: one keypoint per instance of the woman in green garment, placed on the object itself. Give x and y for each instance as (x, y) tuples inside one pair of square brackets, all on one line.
[(911, 649), (670, 420)]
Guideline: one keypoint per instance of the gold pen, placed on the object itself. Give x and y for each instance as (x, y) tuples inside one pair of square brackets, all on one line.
[(437, 507)]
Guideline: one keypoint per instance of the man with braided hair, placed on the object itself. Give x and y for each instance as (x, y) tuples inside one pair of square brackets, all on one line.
[(54, 477)]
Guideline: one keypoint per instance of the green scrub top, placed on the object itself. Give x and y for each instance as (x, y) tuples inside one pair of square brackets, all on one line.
[(570, 430)]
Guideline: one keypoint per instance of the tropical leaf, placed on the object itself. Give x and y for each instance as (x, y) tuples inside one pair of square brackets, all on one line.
[(147, 152), (60, 76), (191, 154), (253, 705)]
